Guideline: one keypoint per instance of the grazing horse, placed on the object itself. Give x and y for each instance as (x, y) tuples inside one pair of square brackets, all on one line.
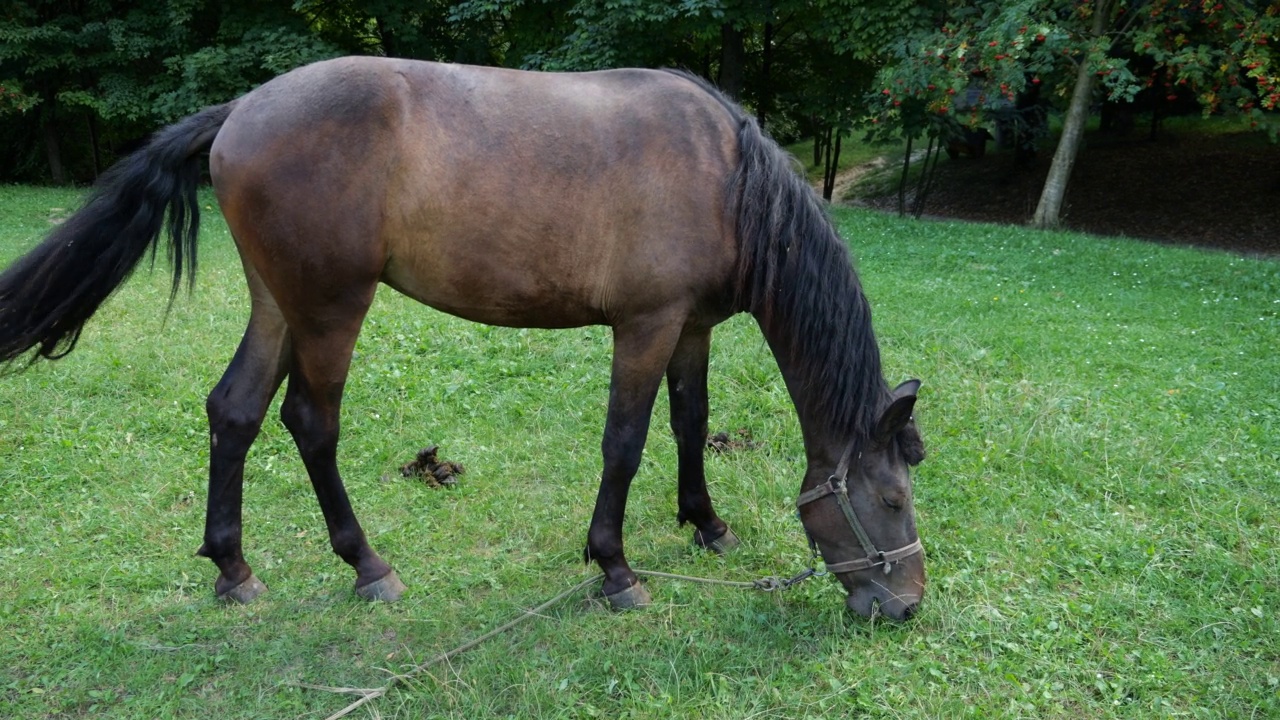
[(639, 199)]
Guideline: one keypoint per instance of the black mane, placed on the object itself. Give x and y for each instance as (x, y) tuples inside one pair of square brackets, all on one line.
[(795, 276)]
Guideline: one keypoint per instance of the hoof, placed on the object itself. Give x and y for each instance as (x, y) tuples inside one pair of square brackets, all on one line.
[(720, 545), (630, 599), (387, 589), (245, 592)]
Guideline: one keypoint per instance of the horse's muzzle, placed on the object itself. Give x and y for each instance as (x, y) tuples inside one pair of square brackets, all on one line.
[(869, 602), (895, 595)]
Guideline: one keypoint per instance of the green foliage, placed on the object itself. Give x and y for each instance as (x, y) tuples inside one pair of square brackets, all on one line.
[(132, 66), (986, 54), (425, 30), (1102, 418), (99, 74), (595, 34), (1221, 51), (217, 73), (14, 99), (610, 34), (88, 77), (864, 31)]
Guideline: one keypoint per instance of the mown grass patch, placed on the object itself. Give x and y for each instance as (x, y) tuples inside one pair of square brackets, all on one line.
[(1097, 506)]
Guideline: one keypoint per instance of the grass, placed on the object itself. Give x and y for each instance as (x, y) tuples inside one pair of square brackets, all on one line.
[(1098, 505)]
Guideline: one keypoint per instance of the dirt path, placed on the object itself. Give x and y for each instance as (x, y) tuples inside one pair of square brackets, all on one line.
[(846, 179)]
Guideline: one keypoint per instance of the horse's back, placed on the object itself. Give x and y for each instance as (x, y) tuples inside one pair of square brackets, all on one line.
[(507, 197)]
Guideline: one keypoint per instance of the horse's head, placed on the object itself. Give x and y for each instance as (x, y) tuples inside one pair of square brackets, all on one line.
[(861, 518)]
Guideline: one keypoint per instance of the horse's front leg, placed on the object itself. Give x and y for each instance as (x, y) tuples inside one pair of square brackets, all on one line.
[(640, 352), (687, 390)]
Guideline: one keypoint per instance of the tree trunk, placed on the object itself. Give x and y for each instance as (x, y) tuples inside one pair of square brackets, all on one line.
[(732, 58), (833, 167), (53, 150), (1156, 99), (93, 140), (925, 182), (766, 83), (902, 180), (824, 142), (1049, 210), (386, 38)]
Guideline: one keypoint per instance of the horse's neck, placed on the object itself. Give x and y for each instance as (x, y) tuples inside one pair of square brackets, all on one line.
[(832, 372), (815, 423)]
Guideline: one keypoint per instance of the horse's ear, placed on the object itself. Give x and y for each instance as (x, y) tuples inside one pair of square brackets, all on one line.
[(911, 444), (898, 414)]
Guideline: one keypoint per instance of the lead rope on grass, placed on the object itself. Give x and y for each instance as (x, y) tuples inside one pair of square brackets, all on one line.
[(767, 584), (369, 694)]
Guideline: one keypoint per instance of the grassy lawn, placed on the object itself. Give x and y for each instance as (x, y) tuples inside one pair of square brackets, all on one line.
[(1098, 506)]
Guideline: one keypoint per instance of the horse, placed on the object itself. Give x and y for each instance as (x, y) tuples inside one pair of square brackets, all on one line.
[(644, 200)]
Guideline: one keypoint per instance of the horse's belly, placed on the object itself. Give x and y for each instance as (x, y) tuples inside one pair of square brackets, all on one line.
[(496, 294)]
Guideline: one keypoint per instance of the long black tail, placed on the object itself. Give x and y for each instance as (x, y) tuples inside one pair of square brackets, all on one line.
[(48, 295)]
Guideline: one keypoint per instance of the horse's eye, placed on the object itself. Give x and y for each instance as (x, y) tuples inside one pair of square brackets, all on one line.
[(894, 504)]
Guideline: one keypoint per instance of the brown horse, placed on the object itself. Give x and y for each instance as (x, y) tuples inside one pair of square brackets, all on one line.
[(638, 199)]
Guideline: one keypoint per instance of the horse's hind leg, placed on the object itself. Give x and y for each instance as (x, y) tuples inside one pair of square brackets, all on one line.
[(321, 359), (687, 390), (236, 408)]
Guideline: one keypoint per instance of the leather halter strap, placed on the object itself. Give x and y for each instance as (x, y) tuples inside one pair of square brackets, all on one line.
[(836, 485)]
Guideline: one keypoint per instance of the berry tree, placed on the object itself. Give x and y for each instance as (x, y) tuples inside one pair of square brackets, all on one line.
[(985, 56)]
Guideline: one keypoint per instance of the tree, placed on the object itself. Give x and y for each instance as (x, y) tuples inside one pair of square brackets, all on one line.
[(89, 76), (1049, 209), (64, 61), (423, 29), (983, 56)]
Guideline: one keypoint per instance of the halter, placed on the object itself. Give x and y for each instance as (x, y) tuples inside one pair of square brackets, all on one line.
[(835, 485)]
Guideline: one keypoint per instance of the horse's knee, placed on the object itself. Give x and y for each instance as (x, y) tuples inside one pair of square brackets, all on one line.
[(603, 543), (622, 456)]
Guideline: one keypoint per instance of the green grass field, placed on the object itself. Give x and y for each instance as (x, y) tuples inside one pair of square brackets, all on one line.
[(1098, 506)]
